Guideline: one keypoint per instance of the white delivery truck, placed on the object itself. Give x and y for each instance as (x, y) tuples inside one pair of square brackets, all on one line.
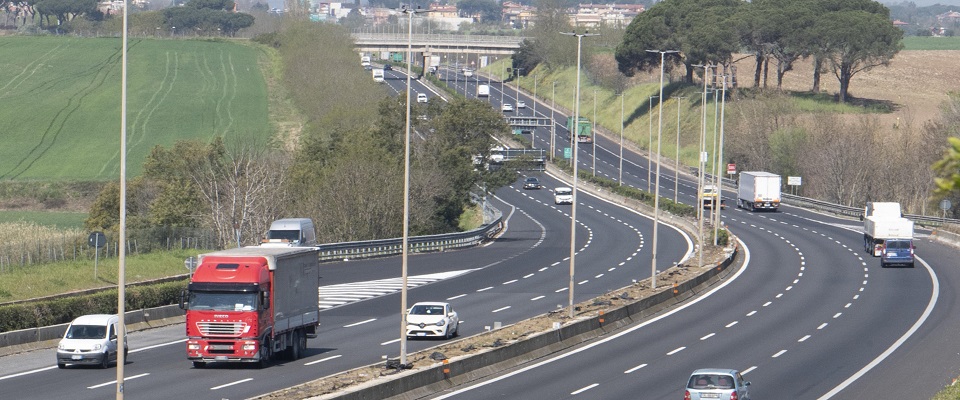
[(758, 190), (378, 75), (882, 222), (483, 90)]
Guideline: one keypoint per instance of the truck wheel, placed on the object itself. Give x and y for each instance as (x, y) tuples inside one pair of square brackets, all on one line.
[(199, 364), (295, 346), (264, 353)]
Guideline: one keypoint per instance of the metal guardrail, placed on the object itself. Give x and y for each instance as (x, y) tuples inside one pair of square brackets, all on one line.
[(417, 244)]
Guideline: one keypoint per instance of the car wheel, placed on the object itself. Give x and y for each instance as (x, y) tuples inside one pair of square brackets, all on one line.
[(448, 333), (456, 330), (61, 365), (105, 362), (199, 364)]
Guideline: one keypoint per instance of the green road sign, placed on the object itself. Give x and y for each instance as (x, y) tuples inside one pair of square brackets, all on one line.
[(567, 153)]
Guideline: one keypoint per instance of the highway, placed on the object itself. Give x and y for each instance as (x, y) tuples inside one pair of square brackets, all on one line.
[(807, 312)]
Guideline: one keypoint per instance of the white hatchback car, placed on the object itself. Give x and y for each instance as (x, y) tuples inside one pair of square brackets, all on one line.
[(90, 339), (432, 319), (521, 104), (716, 383), (422, 98), (506, 107)]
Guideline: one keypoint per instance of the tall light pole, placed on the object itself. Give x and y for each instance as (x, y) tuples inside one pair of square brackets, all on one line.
[(406, 194), (650, 142), (676, 167), (716, 159), (620, 178), (553, 122), (723, 103), (121, 277), (702, 159), (576, 131), (594, 133), (656, 196), (503, 77), (536, 80), (517, 71)]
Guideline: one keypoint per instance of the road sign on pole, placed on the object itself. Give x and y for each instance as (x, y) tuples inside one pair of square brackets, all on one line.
[(567, 153), (731, 169)]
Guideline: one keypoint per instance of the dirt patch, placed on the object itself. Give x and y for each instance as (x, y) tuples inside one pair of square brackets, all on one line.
[(916, 82), (509, 334)]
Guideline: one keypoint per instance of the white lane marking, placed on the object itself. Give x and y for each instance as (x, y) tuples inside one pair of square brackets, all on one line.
[(542, 269), (485, 289), (390, 342), (779, 353), (231, 384), (359, 323), (732, 324), (510, 281), (634, 368), (677, 350), (837, 315), (823, 325), (767, 303), (457, 296), (708, 336), (559, 290), (934, 295), (750, 314), (501, 309), (804, 339), (114, 382), (527, 276), (747, 371), (537, 298), (597, 276), (746, 263), (324, 359), (848, 305), (576, 392), (583, 281)]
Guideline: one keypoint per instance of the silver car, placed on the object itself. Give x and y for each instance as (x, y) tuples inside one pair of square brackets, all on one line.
[(717, 383)]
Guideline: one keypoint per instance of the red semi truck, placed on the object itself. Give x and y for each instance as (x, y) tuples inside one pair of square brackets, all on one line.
[(251, 304)]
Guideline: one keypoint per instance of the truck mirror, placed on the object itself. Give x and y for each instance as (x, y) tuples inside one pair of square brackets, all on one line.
[(183, 297), (265, 299)]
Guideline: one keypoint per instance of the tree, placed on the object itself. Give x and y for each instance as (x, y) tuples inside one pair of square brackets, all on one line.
[(819, 45), (487, 10), (777, 29), (550, 46), (857, 41), (353, 20), (209, 15)]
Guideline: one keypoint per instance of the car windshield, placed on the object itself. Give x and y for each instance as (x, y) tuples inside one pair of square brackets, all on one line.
[(86, 332), (563, 191), (532, 180), (427, 310), (222, 301), (710, 381), (291, 236)]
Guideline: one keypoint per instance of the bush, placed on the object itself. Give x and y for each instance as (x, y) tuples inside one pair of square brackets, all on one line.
[(65, 309)]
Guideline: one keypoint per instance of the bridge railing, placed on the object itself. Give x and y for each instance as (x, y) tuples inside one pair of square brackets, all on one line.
[(463, 40)]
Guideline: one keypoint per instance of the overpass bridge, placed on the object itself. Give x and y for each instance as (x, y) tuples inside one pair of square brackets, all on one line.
[(432, 44)]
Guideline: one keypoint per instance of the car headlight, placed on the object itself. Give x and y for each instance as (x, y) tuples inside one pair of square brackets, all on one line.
[(441, 322), (60, 346), (97, 346)]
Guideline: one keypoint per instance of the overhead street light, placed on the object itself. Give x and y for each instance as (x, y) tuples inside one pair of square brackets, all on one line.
[(676, 167), (620, 178), (701, 160), (656, 196), (576, 133), (122, 256), (594, 133), (650, 143)]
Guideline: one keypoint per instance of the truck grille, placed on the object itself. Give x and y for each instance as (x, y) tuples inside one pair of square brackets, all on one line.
[(210, 328)]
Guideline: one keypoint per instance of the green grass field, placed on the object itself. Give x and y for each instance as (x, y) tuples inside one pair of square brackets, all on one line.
[(931, 43), (62, 220), (60, 102)]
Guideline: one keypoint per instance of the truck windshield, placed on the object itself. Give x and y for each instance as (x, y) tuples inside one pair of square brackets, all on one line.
[(223, 301), (292, 236)]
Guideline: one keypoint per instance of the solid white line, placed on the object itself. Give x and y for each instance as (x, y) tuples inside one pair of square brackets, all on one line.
[(359, 323), (934, 295), (537, 298), (677, 350), (113, 382), (456, 297), (501, 309), (575, 392), (324, 359), (746, 263), (231, 384), (634, 368), (708, 336), (779, 353)]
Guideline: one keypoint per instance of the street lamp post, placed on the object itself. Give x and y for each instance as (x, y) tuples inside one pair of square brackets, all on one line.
[(594, 133), (553, 122), (536, 80), (517, 71), (573, 210), (656, 196), (620, 178), (650, 142), (676, 167), (701, 160), (723, 103), (406, 195)]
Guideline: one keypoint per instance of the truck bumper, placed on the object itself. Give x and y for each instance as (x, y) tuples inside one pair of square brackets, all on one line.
[(223, 350)]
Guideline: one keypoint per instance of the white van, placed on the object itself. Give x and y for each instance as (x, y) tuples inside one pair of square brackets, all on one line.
[(483, 90), (91, 339), (291, 232)]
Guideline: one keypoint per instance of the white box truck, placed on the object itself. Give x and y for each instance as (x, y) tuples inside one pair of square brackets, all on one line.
[(758, 190), (483, 90), (882, 222), (378, 75)]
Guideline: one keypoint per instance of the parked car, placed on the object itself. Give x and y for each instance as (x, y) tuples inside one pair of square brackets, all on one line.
[(92, 340), (563, 195), (422, 98), (432, 319), (521, 104), (531, 183), (506, 107), (716, 383)]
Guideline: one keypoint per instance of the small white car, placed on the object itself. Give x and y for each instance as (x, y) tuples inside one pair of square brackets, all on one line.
[(92, 340), (422, 98), (432, 319), (506, 107), (716, 383), (562, 195), (467, 72), (521, 104)]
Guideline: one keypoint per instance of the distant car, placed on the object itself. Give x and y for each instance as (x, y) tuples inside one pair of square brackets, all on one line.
[(531, 183), (422, 98), (368, 67), (521, 104), (432, 319), (467, 72), (506, 107), (563, 195), (716, 383), (387, 67), (431, 69)]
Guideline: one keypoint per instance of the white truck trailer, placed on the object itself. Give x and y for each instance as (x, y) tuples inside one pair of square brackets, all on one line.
[(758, 190), (883, 221)]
